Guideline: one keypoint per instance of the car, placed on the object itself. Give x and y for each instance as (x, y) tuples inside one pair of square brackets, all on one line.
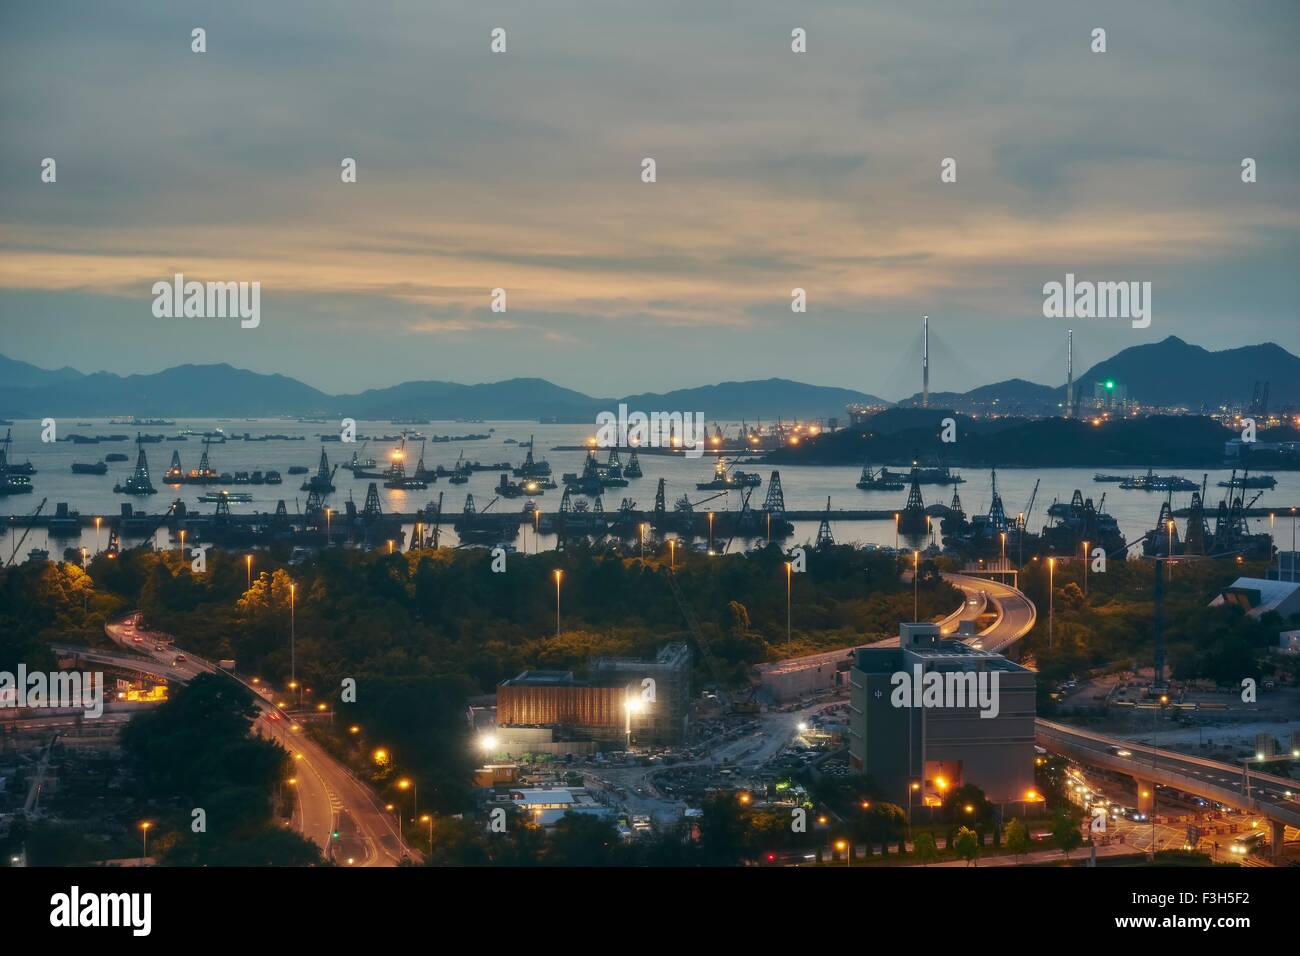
[(1119, 752), (178, 659)]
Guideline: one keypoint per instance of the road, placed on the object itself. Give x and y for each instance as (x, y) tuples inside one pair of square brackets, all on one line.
[(1269, 795), (330, 798)]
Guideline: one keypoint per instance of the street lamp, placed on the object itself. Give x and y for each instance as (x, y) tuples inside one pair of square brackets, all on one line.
[(1003, 535), (642, 529), (248, 565), (1085, 569), (144, 837), (488, 744), (98, 519), (182, 542), (328, 513), (293, 627), (710, 532), (895, 530), (1051, 596), (558, 574), (428, 818), (408, 784), (631, 705), (672, 554), (842, 845)]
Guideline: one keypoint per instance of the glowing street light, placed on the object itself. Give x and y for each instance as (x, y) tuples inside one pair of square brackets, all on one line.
[(672, 554), (488, 744), (293, 652), (1085, 569), (1051, 597), (98, 519), (145, 826), (381, 757), (558, 575), (710, 532), (248, 565), (632, 705)]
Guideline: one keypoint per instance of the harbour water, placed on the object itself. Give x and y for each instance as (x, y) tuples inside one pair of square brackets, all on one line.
[(806, 487)]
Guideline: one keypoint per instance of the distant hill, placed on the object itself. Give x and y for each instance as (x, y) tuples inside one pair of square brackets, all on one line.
[(1169, 372), (219, 390), (1173, 372), (752, 400), (16, 374), (194, 391)]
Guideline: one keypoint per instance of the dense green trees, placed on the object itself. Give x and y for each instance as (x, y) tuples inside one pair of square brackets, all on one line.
[(195, 752)]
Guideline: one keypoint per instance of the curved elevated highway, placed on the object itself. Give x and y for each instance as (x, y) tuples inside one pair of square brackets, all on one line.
[(330, 798)]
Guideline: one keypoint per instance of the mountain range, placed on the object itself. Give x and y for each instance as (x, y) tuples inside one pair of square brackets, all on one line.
[(1170, 372)]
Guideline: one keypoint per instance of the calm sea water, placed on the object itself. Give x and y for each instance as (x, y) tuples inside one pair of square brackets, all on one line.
[(806, 487)]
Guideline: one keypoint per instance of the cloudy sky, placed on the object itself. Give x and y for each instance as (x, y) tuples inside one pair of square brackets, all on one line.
[(522, 170)]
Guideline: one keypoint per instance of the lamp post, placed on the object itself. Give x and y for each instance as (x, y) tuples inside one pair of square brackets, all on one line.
[(895, 530), (1003, 536), (428, 818), (329, 513), (293, 628), (144, 837), (248, 566), (558, 574), (642, 529), (1020, 521), (182, 542), (672, 554), (406, 783), (98, 519), (710, 533), (1051, 598), (631, 705)]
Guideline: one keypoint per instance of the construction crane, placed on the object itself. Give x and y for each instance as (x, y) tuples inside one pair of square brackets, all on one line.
[(28, 530)]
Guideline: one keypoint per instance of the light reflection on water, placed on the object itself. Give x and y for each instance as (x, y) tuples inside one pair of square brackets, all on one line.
[(806, 487)]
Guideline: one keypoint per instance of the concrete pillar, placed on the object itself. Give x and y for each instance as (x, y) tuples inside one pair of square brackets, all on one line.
[(1146, 791), (1276, 837)]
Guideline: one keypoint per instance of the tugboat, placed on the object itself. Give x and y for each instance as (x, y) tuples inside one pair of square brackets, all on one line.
[(15, 485), (1152, 482), (11, 468), (928, 475), (722, 481), (872, 481), (1266, 482)]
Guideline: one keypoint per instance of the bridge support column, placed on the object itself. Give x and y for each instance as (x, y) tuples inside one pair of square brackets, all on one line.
[(1276, 838), (1146, 791)]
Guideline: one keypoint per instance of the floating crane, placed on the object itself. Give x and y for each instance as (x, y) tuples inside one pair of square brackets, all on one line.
[(18, 544)]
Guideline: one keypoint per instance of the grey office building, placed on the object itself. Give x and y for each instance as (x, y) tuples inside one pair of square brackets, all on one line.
[(666, 720), (940, 744)]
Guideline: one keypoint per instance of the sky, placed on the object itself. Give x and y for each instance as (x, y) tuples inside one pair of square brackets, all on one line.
[(522, 170)]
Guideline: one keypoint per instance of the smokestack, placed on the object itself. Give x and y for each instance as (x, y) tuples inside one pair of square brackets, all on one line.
[(1069, 374), (925, 362)]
